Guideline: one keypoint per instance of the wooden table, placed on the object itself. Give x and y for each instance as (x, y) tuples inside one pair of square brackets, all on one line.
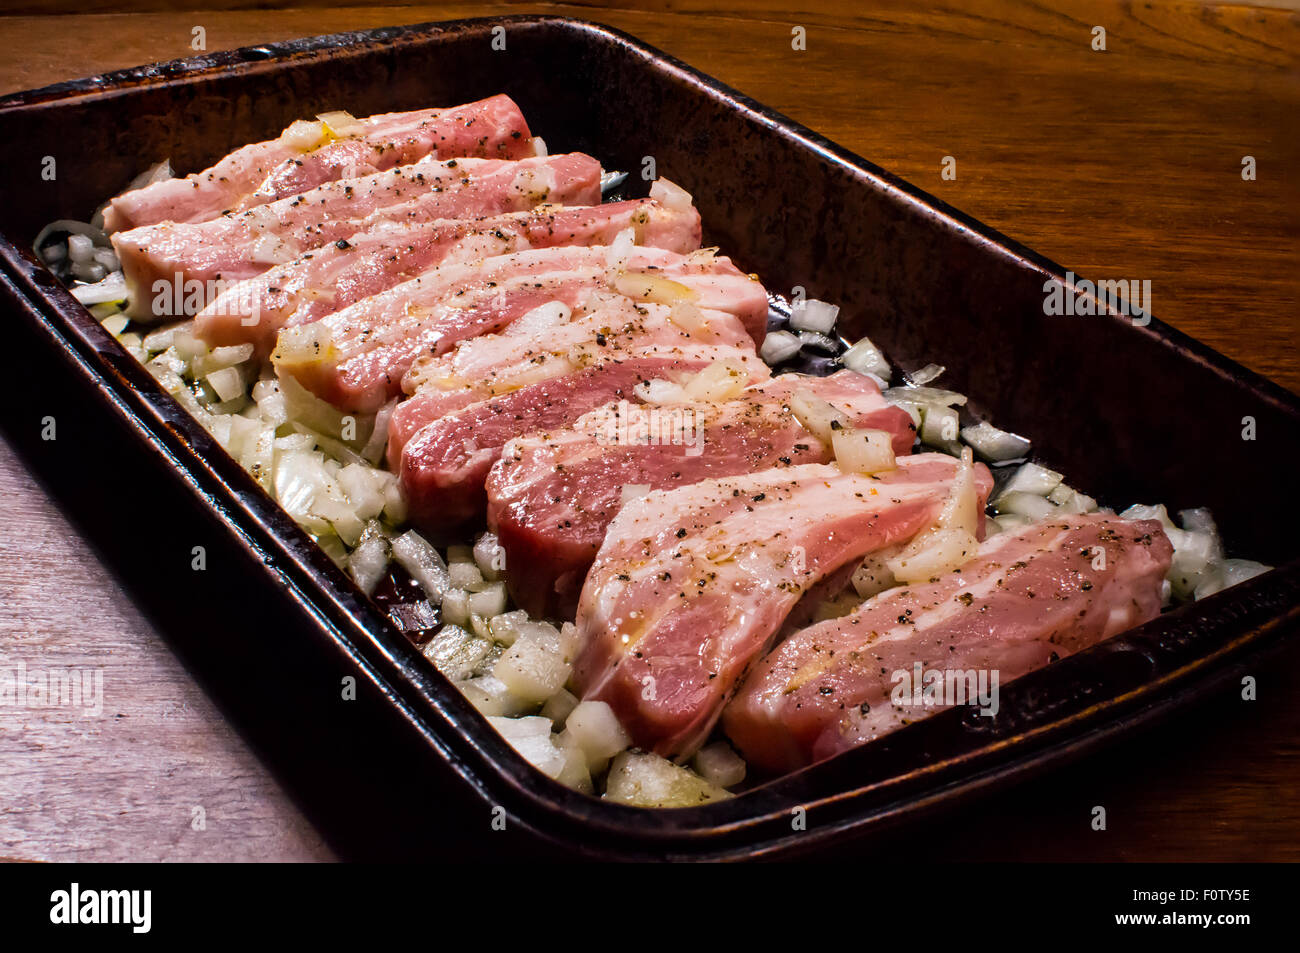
[(1123, 162)]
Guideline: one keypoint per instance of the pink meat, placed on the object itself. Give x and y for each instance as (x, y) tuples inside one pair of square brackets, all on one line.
[(331, 278), (552, 495), (1026, 599), (265, 171), (691, 584), (198, 258), (443, 441), (375, 341)]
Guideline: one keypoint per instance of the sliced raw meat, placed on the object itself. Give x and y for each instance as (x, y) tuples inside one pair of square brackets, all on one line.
[(607, 328), (331, 278), (197, 258), (552, 495), (445, 438), (303, 158), (373, 343), (1026, 599), (691, 584)]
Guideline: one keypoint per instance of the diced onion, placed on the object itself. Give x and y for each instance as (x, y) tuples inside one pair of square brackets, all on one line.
[(304, 135), (718, 764), (994, 444), (1031, 478), (1072, 501), (721, 380), (424, 564), (865, 358), (341, 124), (815, 415), (534, 668), (490, 556), (940, 426), (873, 576), (925, 375), (531, 737), (1029, 505), (926, 395), (654, 288), (779, 346), (111, 288), (659, 391), (813, 315), (814, 340), (593, 727), (688, 317), (933, 553), (863, 451), (670, 195), (227, 382), (647, 780)]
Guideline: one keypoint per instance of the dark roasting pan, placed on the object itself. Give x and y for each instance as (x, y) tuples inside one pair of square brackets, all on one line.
[(1128, 413)]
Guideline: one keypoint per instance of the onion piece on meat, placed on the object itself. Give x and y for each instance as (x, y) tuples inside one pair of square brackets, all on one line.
[(670, 195), (863, 451), (818, 417)]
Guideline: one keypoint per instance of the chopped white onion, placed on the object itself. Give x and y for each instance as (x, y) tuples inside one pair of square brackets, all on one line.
[(670, 195), (994, 444), (863, 451), (940, 426), (659, 391), (718, 764), (647, 780), (1029, 505), (423, 563), (813, 315), (111, 288), (534, 668), (1032, 478), (490, 556), (865, 358), (779, 346), (925, 375), (369, 561), (721, 380), (932, 553), (819, 418), (531, 737)]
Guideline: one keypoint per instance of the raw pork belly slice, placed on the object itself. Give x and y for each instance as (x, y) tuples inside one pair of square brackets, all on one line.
[(265, 171), (550, 341), (241, 245), (552, 495), (1027, 598), (443, 440), (331, 278), (373, 343), (692, 584)]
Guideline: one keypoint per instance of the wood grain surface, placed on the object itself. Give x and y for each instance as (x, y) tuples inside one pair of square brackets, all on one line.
[(1122, 163)]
